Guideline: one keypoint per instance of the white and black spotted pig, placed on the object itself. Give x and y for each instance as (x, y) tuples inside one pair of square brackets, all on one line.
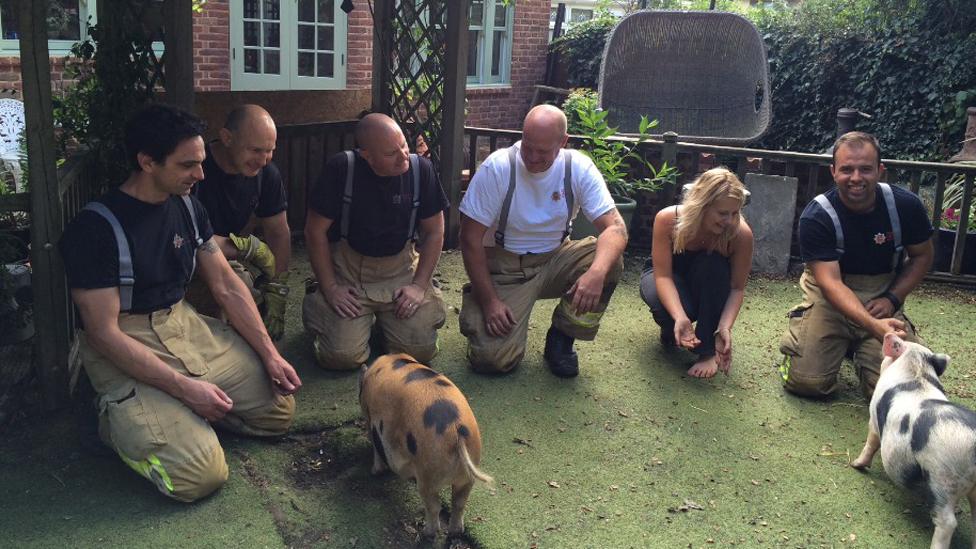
[(927, 443), (422, 428)]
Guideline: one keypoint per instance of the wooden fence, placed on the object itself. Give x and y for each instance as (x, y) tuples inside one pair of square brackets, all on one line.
[(811, 170)]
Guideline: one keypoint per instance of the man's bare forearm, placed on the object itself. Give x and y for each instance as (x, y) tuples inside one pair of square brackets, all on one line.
[(236, 301), (610, 244)]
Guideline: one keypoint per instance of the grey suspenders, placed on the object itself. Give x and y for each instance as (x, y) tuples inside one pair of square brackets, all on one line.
[(126, 275), (507, 204), (889, 198), (347, 196)]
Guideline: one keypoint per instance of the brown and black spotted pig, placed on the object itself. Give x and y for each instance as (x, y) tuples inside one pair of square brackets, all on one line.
[(927, 443), (422, 428)]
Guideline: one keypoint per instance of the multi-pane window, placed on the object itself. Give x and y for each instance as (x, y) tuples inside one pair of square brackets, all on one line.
[(262, 36), (489, 42), (580, 15), (66, 25), (316, 38), (287, 44)]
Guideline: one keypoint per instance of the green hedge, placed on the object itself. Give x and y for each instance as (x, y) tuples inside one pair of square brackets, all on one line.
[(908, 63)]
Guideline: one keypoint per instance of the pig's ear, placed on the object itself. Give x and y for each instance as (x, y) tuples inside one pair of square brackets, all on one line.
[(893, 345), (939, 362)]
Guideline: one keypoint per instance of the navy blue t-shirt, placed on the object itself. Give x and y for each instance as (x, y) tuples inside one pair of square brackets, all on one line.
[(231, 199), (868, 238), (380, 212), (160, 239)]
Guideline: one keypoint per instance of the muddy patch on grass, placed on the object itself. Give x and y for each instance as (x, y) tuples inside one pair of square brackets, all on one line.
[(339, 460), (328, 456)]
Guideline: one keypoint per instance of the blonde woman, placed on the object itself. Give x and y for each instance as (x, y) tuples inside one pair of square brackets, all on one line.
[(701, 255)]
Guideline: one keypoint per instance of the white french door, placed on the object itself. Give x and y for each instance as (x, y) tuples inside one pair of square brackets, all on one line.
[(287, 44)]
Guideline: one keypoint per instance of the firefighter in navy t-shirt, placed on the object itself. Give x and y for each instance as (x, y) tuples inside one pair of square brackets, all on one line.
[(164, 373), (242, 190), (374, 233), (866, 245)]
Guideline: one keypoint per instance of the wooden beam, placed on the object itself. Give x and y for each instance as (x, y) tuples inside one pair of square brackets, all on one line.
[(178, 58), (382, 35), (50, 295), (452, 138)]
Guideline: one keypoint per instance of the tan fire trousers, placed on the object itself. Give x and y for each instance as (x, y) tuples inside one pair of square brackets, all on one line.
[(520, 281), (819, 337), (156, 434), (343, 343)]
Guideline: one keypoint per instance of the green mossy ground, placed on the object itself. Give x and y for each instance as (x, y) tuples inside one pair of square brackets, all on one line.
[(632, 453)]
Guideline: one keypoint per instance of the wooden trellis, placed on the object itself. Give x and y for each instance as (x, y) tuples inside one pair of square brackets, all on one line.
[(416, 46), (419, 74)]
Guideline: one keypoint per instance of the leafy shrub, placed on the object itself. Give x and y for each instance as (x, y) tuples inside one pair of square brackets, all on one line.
[(116, 73), (581, 48), (615, 159), (908, 63), (952, 203), (579, 99)]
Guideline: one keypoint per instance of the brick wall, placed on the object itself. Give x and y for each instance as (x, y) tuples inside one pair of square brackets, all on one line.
[(505, 107), (211, 47), (11, 84), (359, 49)]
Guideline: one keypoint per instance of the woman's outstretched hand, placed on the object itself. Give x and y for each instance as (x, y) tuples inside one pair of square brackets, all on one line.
[(684, 334)]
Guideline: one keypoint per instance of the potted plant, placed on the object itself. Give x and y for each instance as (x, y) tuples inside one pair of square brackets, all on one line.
[(946, 242), (617, 160)]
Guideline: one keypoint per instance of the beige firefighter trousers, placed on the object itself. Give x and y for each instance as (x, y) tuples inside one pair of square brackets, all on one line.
[(159, 436), (818, 338), (520, 281), (343, 343)]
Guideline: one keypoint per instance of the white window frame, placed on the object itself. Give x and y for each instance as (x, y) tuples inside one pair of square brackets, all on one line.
[(485, 43), (58, 48), (288, 79)]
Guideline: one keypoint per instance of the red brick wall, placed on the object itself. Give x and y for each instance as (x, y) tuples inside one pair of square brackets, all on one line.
[(11, 84), (211, 47), (359, 49), (505, 107)]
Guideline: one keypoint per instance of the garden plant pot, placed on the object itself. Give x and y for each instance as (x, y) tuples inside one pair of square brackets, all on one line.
[(943, 252), (582, 227)]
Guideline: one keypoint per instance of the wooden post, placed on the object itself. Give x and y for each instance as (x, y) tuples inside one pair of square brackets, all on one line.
[(50, 296), (382, 36), (960, 247), (452, 138), (669, 154), (178, 59)]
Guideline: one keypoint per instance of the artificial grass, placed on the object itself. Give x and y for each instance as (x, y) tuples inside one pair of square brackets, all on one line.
[(632, 453)]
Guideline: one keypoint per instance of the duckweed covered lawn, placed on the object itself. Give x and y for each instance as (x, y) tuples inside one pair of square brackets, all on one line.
[(632, 453)]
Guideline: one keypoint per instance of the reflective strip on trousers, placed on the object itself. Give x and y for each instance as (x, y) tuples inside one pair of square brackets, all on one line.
[(584, 320), (784, 368), (152, 469)]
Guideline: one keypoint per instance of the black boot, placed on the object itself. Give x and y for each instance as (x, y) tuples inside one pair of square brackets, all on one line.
[(560, 355)]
